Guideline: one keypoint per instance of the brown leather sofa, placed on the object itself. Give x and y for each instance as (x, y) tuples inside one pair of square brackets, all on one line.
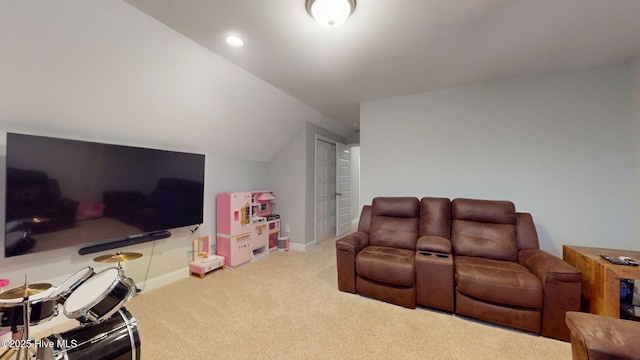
[(478, 258)]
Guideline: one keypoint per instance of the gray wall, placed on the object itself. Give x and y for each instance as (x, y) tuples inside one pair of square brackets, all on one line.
[(635, 118), (103, 71), (292, 171), (559, 146), (287, 173)]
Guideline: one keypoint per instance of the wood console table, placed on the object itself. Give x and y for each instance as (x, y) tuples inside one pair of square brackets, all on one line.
[(600, 278)]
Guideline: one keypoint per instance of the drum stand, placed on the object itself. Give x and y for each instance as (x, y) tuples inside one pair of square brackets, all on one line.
[(25, 347), (121, 272)]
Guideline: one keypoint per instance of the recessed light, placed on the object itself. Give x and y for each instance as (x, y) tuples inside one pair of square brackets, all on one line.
[(234, 41)]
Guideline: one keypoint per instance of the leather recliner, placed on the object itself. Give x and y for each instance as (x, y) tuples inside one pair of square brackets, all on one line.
[(478, 258), (501, 274), (378, 260)]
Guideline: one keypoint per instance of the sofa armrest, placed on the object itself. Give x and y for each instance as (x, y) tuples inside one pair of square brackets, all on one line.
[(347, 247), (601, 337), (434, 243), (561, 284)]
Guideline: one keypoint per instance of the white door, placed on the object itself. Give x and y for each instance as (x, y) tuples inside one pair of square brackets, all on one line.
[(343, 189), (325, 190)]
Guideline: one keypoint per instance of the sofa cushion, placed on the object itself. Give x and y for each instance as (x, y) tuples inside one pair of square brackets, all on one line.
[(435, 217), (485, 228), (493, 241), (500, 282), (487, 211), (395, 222), (388, 265)]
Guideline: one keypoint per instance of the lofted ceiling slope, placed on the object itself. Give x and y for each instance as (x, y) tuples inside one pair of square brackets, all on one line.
[(392, 48)]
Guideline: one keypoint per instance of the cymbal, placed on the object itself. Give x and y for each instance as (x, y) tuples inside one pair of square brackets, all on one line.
[(119, 257), (22, 291)]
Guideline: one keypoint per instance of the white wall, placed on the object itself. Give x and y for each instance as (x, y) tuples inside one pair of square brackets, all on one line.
[(286, 173), (103, 71), (635, 118), (355, 184), (559, 146), (292, 173)]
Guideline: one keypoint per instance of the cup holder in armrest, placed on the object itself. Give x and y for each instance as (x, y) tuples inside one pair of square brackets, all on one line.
[(440, 255)]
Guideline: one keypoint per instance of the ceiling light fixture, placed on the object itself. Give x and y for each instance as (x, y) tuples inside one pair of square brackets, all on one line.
[(330, 13), (234, 41)]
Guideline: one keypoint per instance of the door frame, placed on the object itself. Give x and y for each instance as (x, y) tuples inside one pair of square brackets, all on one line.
[(343, 192), (315, 183)]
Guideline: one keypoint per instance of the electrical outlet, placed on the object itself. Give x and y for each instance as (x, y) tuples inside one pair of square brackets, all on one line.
[(287, 229)]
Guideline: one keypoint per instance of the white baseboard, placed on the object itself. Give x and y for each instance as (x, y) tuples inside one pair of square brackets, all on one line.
[(165, 279), (296, 247), (301, 247)]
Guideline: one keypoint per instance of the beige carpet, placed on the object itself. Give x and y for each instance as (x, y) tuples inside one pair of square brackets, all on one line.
[(287, 306)]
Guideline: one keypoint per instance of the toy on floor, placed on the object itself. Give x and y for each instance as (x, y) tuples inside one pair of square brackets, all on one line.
[(204, 260)]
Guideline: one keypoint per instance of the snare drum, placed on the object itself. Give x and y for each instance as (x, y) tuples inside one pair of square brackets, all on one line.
[(115, 339), (12, 310), (62, 292), (99, 297)]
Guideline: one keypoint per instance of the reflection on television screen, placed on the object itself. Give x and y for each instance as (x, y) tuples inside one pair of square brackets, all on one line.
[(62, 193)]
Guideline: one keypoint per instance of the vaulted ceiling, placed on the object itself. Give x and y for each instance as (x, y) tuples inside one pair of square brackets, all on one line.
[(396, 47)]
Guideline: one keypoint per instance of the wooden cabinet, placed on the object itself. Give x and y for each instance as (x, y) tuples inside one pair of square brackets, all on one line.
[(244, 225)]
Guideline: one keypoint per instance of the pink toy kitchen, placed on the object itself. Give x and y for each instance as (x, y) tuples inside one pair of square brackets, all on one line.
[(246, 227)]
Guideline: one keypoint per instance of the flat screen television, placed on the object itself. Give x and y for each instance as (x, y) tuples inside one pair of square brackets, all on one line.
[(62, 193)]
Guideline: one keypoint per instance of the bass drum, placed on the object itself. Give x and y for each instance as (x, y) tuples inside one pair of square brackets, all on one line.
[(116, 338)]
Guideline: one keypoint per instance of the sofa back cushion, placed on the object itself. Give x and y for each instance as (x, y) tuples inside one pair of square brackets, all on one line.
[(435, 217), (395, 222), (484, 228), (527, 236)]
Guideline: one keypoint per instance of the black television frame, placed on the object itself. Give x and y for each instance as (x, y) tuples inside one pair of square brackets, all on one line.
[(185, 169)]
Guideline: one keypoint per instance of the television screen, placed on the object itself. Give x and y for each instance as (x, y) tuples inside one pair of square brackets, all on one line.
[(62, 192)]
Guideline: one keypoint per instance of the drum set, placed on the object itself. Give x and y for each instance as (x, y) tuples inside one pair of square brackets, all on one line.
[(106, 330)]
